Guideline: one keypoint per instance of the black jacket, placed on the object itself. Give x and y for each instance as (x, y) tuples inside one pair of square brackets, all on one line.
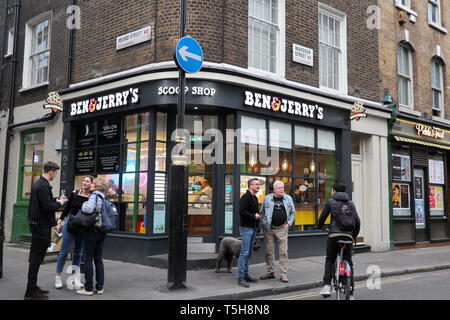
[(331, 207), (42, 205), (248, 207)]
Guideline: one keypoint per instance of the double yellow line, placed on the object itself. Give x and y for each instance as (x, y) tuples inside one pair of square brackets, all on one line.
[(359, 286)]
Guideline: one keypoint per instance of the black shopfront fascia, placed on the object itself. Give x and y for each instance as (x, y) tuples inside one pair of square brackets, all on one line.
[(208, 98)]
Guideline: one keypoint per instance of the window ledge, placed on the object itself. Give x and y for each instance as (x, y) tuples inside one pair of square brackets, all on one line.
[(441, 120), (333, 91), (408, 110), (404, 8), (43, 84), (438, 27)]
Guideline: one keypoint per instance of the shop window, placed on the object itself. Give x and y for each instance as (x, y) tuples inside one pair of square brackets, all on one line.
[(32, 156), (401, 182), (117, 149), (307, 166)]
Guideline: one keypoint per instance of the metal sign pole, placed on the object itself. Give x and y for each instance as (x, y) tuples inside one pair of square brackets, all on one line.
[(178, 189)]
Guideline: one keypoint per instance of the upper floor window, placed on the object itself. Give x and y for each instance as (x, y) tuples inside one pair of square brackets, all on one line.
[(10, 48), (434, 11), (37, 51), (332, 49), (264, 35), (437, 88), (406, 3), (405, 76)]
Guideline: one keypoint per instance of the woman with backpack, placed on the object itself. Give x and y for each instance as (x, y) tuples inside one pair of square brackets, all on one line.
[(74, 203), (93, 245)]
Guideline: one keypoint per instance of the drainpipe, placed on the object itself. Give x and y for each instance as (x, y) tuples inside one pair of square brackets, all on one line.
[(388, 101), (3, 52), (70, 56), (9, 133)]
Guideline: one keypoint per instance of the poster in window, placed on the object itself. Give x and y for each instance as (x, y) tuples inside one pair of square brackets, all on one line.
[(84, 161), (436, 198), (109, 131), (108, 159), (229, 219), (86, 134), (436, 171), (159, 219), (401, 168), (418, 188), (400, 196), (420, 214)]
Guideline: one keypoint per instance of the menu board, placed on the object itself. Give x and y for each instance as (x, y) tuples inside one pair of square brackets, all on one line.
[(85, 161), (86, 135), (436, 171), (109, 131), (108, 159)]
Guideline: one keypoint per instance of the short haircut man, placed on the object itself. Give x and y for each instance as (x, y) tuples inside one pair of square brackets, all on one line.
[(339, 187), (50, 166), (250, 181)]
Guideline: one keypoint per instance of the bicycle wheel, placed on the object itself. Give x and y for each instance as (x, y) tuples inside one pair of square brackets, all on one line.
[(346, 287)]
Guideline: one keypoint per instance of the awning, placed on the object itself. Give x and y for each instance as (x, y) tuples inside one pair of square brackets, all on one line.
[(424, 143)]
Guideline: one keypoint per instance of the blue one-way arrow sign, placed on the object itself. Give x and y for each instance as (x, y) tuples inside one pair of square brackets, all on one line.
[(188, 55)]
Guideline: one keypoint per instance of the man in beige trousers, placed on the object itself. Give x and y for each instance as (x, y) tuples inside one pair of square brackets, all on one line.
[(277, 216)]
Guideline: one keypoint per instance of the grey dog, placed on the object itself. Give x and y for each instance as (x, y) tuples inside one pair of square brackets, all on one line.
[(230, 248)]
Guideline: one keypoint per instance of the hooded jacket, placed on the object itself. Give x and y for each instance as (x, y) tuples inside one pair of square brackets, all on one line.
[(331, 207)]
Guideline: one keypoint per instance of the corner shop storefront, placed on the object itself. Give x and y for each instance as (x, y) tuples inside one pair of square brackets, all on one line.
[(419, 182), (124, 136)]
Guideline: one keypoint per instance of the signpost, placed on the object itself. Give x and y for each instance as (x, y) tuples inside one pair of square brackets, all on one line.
[(188, 55)]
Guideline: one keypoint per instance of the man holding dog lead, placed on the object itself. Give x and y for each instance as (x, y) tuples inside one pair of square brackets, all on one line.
[(249, 220)]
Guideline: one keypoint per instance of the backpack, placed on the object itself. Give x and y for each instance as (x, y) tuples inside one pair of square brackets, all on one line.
[(108, 214), (345, 216)]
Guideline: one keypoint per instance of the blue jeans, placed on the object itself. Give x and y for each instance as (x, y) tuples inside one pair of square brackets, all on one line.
[(67, 240), (248, 236), (93, 255)]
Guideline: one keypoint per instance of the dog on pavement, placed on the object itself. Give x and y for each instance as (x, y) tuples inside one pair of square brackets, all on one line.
[(230, 248)]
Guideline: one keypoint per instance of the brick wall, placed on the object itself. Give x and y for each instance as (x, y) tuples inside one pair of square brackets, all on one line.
[(423, 39)]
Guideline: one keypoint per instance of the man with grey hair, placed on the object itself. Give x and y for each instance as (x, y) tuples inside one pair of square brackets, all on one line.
[(277, 216)]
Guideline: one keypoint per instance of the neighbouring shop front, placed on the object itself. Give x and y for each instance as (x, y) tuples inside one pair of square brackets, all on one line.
[(419, 165), (124, 136)]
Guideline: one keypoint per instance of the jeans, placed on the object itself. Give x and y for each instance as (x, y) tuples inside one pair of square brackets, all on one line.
[(248, 236), (333, 251), (40, 241), (67, 240), (93, 250)]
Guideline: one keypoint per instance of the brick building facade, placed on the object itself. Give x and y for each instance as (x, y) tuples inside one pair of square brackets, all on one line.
[(414, 53), (248, 54)]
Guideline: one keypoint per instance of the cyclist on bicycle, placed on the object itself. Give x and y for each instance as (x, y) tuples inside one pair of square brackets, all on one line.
[(333, 206)]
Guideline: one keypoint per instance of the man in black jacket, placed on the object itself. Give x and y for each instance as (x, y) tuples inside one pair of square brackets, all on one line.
[(249, 219), (41, 219), (335, 234)]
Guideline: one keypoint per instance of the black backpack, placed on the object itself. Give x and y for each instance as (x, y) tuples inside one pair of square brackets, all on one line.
[(345, 216)]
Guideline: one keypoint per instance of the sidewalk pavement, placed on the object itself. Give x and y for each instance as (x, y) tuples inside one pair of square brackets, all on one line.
[(126, 281)]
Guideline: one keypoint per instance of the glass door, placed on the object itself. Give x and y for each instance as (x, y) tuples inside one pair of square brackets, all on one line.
[(200, 176), (420, 205)]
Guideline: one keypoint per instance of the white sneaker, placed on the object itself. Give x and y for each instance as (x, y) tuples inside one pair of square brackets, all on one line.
[(99, 291), (77, 284), (85, 293), (58, 282), (326, 291), (352, 297)]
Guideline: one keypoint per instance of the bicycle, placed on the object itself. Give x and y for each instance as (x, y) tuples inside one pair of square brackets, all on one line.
[(342, 280)]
